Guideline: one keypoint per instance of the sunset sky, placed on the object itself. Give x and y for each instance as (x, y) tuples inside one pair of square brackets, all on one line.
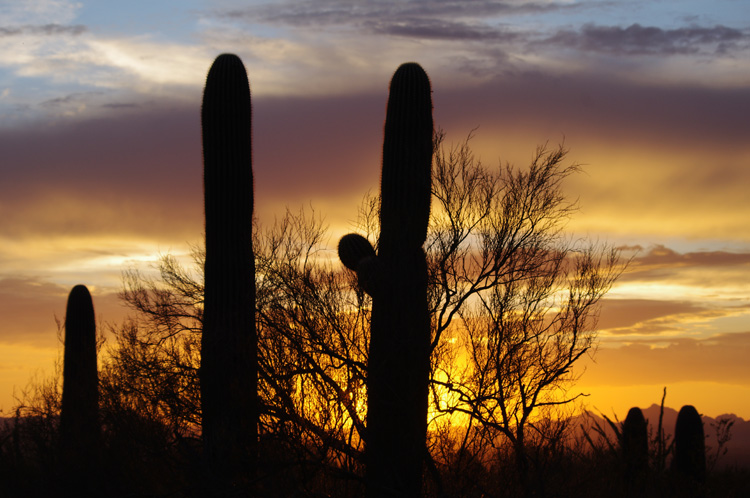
[(101, 170)]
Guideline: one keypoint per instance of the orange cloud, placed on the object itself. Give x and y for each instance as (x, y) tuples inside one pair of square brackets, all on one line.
[(721, 358), (660, 262), (646, 316)]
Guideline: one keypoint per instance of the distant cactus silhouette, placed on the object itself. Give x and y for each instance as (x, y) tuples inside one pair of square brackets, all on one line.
[(396, 278), (689, 446), (634, 445), (229, 370), (80, 431)]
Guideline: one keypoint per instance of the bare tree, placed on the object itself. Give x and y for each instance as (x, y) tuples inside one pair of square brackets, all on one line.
[(312, 337), (521, 296), (312, 329), (513, 304), (152, 366)]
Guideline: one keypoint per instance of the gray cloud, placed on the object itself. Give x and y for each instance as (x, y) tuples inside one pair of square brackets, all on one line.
[(661, 262), (438, 29), (92, 99), (137, 171), (445, 20), (70, 99), (43, 30), (649, 40), (122, 105), (469, 20), (125, 173), (137, 161), (626, 314), (337, 12), (597, 106)]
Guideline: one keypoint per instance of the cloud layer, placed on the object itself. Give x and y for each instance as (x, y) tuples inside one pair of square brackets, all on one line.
[(325, 47), (719, 359), (637, 40)]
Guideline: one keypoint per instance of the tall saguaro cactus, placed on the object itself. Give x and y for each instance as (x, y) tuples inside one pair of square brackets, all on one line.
[(634, 445), (80, 432), (396, 278), (229, 365), (690, 448)]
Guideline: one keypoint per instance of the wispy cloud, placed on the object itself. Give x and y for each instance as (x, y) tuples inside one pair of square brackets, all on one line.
[(652, 40), (439, 29), (710, 269), (719, 358), (75, 71), (36, 12), (629, 315), (660, 318), (42, 30), (511, 24), (326, 47), (323, 13), (75, 100), (659, 257), (665, 293)]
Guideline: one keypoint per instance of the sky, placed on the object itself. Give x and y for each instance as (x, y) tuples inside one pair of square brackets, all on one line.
[(100, 152)]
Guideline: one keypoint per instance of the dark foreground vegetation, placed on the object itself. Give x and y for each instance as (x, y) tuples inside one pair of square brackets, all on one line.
[(439, 362), (144, 458)]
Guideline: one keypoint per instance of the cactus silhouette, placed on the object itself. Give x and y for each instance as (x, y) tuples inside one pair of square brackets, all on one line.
[(634, 446), (229, 365), (80, 432), (396, 278), (689, 446)]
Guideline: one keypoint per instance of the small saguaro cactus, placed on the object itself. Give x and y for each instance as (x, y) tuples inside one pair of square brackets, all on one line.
[(689, 446), (229, 368), (634, 446), (80, 432), (396, 278)]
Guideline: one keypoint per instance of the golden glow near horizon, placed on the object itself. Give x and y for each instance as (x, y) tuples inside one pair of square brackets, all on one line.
[(712, 398), (689, 300), (22, 366)]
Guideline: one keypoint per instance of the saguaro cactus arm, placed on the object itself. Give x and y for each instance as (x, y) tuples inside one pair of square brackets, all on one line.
[(356, 253)]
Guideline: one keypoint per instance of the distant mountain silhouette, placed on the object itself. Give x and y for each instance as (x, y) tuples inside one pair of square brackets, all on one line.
[(738, 454), (738, 448)]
